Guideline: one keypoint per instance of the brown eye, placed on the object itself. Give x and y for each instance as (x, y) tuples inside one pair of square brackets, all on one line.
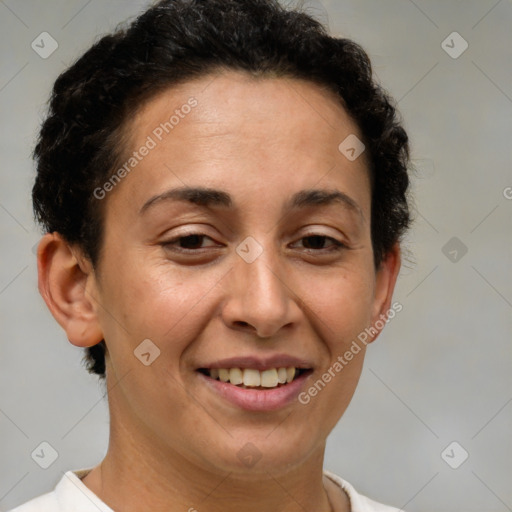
[(316, 242), (188, 242)]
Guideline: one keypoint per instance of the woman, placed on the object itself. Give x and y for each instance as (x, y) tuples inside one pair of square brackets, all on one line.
[(223, 190)]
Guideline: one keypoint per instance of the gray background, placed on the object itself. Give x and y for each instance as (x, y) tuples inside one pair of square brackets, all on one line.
[(439, 373)]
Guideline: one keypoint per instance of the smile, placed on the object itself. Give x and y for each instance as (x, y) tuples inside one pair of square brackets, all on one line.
[(255, 385), (246, 378)]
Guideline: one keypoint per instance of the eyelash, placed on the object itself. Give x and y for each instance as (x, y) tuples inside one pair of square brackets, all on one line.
[(337, 245)]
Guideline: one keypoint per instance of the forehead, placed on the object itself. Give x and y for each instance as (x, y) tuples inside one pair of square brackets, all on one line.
[(229, 130), (239, 101)]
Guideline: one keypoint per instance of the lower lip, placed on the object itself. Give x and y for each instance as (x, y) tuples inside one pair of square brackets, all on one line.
[(258, 399)]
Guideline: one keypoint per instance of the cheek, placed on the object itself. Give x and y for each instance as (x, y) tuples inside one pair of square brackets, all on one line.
[(151, 302), (157, 302), (343, 305)]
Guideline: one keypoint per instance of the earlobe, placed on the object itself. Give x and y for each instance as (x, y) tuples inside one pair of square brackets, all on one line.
[(64, 283), (385, 281)]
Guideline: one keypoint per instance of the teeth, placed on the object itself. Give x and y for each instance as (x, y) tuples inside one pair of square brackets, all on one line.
[(236, 376), (249, 377), (252, 378), (269, 378)]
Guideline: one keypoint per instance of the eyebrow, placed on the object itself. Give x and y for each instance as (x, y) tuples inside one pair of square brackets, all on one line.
[(209, 197)]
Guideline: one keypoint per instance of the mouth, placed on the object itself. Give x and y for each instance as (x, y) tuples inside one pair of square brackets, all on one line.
[(252, 378), (256, 383)]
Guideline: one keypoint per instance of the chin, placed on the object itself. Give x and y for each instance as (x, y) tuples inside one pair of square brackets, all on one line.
[(265, 452)]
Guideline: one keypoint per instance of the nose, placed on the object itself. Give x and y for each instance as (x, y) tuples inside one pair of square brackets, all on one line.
[(261, 297)]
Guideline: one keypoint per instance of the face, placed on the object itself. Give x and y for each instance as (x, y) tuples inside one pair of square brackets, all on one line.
[(259, 274)]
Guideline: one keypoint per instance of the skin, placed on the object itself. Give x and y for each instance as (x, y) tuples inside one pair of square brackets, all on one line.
[(173, 441)]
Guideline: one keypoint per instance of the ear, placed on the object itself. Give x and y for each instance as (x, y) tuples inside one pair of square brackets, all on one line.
[(385, 280), (66, 280)]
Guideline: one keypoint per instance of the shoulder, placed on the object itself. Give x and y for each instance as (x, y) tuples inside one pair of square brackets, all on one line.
[(45, 503), (358, 502), (69, 494)]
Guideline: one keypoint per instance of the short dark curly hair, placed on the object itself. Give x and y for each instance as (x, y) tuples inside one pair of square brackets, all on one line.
[(172, 42)]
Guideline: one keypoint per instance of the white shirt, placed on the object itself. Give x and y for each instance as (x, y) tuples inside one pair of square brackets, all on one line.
[(72, 495)]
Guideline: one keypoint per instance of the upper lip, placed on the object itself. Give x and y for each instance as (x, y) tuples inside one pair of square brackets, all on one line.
[(260, 363)]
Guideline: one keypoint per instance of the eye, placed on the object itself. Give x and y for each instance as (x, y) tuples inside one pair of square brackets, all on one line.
[(315, 241), (186, 242), (193, 242)]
